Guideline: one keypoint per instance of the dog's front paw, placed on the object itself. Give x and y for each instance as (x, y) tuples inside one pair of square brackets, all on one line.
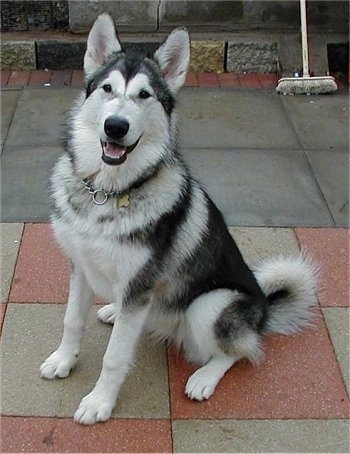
[(200, 385), (93, 408), (58, 365), (107, 314)]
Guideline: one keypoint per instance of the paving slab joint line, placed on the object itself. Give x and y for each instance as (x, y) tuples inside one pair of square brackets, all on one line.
[(323, 197), (319, 267), (4, 305), (304, 150), (334, 351), (14, 270), (7, 133)]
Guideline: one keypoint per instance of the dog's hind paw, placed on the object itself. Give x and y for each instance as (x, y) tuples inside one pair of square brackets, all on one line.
[(58, 365), (107, 314), (201, 385), (93, 408)]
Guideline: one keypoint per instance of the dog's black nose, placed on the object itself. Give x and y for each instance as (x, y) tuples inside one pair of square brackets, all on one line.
[(116, 127)]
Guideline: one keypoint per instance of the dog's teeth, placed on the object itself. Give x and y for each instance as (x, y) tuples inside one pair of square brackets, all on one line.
[(113, 150)]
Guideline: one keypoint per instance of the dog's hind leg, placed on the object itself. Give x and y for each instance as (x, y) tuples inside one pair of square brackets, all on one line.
[(218, 335), (60, 362)]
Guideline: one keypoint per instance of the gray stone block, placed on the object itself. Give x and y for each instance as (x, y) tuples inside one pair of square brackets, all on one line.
[(252, 57), (68, 55), (323, 16), (60, 54), (271, 15), (18, 55), (130, 16), (218, 15), (146, 48)]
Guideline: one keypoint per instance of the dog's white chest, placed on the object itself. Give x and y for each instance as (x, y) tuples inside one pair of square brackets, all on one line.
[(107, 262)]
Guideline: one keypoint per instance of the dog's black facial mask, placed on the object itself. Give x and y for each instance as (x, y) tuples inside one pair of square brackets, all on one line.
[(170, 60), (165, 69), (129, 64)]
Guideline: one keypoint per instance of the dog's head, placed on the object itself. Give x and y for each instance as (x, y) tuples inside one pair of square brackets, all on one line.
[(130, 96)]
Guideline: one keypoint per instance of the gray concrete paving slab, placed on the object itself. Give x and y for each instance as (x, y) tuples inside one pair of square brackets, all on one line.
[(268, 184), (9, 99), (40, 116), (331, 169), (260, 188), (25, 175), (292, 436), (251, 187), (233, 118), (10, 239), (337, 321), (256, 243), (32, 331), (320, 122)]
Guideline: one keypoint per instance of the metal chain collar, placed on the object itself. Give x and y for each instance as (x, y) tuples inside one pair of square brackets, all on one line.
[(100, 196)]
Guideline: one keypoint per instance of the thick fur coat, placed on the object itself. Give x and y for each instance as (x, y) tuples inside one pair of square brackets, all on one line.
[(142, 234)]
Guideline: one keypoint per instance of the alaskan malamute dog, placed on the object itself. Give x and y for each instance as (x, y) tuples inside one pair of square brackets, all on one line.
[(142, 234)]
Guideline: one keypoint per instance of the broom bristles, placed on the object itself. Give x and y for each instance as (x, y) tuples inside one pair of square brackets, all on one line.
[(306, 85)]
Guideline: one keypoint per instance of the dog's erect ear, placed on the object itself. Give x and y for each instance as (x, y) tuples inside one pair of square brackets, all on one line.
[(102, 42), (174, 57)]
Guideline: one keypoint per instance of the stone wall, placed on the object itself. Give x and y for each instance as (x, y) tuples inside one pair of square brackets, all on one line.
[(161, 15), (240, 36)]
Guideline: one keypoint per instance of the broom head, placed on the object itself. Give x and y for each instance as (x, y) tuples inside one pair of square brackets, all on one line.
[(306, 85)]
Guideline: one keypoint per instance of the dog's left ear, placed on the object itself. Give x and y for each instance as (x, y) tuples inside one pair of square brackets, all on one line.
[(174, 57), (102, 42)]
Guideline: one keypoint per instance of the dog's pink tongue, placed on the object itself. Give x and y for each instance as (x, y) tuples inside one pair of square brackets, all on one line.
[(114, 150)]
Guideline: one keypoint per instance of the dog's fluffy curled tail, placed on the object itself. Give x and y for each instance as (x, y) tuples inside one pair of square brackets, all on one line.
[(289, 284)]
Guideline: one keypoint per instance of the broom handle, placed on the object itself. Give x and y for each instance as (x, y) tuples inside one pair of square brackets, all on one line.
[(304, 44)]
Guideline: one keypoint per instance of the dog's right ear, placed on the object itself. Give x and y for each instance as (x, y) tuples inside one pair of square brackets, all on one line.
[(102, 42)]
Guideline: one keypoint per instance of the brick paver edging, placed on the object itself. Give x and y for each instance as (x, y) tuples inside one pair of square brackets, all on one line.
[(75, 78)]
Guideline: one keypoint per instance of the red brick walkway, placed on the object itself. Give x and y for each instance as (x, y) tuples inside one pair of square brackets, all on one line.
[(295, 401), (299, 381), (75, 78)]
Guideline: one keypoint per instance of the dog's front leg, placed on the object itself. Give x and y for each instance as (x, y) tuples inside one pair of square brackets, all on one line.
[(99, 404), (61, 361)]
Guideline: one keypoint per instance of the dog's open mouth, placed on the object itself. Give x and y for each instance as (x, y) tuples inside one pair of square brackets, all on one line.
[(115, 154)]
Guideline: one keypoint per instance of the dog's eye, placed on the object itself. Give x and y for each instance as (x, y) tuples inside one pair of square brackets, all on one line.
[(144, 94), (107, 88)]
